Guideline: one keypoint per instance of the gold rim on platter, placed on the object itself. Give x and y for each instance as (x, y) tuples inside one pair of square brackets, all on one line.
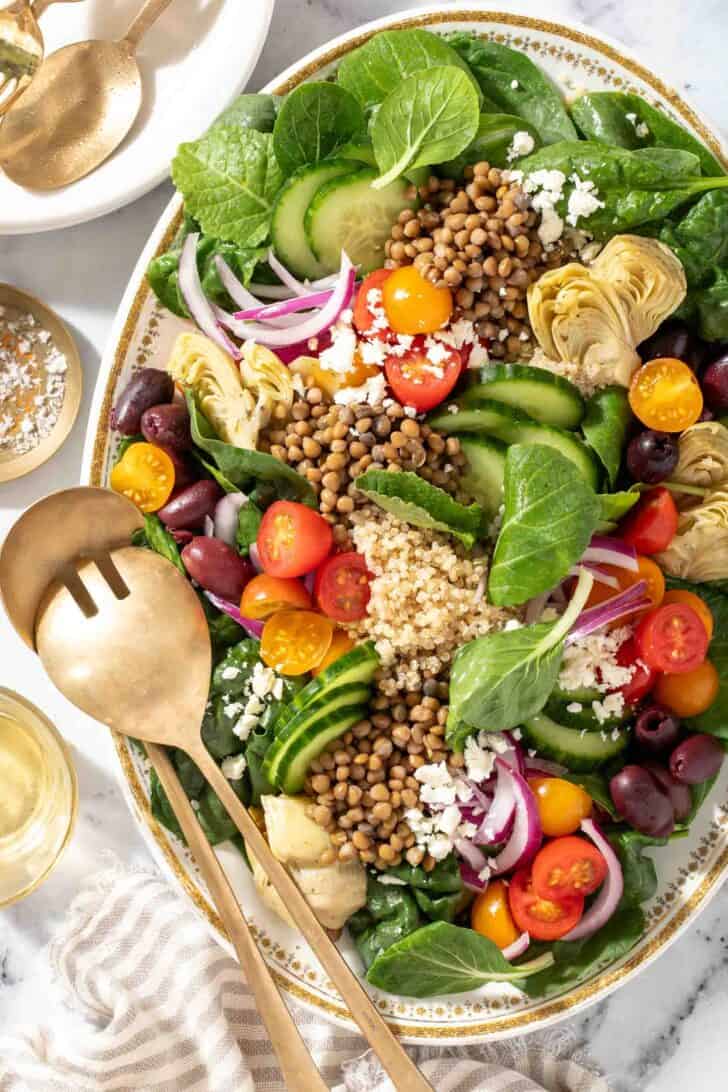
[(544, 1012)]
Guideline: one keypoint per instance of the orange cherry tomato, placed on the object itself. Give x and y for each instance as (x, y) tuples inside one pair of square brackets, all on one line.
[(561, 805), (413, 304), (649, 571), (292, 539), (341, 643), (544, 919), (651, 525), (490, 915), (144, 474), (568, 868), (701, 608), (364, 316), (264, 595), (691, 693), (666, 395), (342, 587), (331, 382), (294, 641), (672, 639)]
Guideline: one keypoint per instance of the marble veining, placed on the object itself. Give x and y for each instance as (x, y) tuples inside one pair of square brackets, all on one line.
[(662, 1032)]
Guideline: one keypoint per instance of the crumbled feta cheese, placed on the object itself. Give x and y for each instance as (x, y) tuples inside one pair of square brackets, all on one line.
[(390, 881), (373, 353), (453, 408), (592, 662), (511, 624), (228, 673), (574, 707), (479, 761), (547, 188), (449, 820), (583, 200), (610, 706), (371, 392), (339, 357), (245, 726), (234, 767), (439, 847), (515, 85), (195, 805), (438, 786), (234, 709), (642, 130), (522, 144), (262, 680)]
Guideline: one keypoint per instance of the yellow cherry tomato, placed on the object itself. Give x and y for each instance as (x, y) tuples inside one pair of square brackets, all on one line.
[(490, 915), (264, 595), (341, 642), (144, 474), (688, 694), (414, 305), (666, 395), (561, 805), (648, 571), (294, 641), (330, 382), (699, 605)]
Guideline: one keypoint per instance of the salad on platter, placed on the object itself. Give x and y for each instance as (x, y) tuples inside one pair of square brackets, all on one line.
[(444, 450)]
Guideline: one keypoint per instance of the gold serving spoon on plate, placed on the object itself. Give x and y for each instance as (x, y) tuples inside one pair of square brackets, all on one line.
[(122, 634), (78, 109), (21, 47)]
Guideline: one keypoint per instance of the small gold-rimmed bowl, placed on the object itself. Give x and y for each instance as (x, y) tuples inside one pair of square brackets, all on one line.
[(16, 301)]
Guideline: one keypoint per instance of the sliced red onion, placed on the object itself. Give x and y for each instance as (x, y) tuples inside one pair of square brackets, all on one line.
[(252, 626), (610, 892), (226, 516), (268, 311), (514, 755), (282, 292), (497, 824), (209, 527), (534, 608), (544, 766), (235, 288), (235, 326), (470, 853), (308, 582), (255, 557), (517, 948), (603, 550), (197, 303), (600, 577), (526, 835), (629, 601), (299, 288), (471, 878)]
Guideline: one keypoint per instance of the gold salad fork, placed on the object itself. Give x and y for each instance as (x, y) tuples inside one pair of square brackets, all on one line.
[(21, 47)]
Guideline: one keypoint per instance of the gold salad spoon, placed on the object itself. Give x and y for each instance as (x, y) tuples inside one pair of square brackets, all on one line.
[(21, 47), (123, 636), (78, 109)]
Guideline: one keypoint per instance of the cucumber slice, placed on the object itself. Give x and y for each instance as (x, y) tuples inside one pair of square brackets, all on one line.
[(289, 238), (347, 214), (584, 718), (580, 751), (485, 415), (545, 397), (483, 478), (357, 666)]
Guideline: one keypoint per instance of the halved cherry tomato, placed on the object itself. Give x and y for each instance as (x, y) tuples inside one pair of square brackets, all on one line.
[(342, 587), (413, 304), (331, 382), (672, 639), (341, 643), (144, 474), (691, 693), (567, 868), (648, 571), (292, 539), (643, 678), (364, 317), (651, 526), (264, 595), (490, 915), (544, 919), (665, 395), (701, 608), (418, 381), (294, 641), (561, 805)]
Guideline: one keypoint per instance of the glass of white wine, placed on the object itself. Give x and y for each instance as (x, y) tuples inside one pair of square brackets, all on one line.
[(38, 797)]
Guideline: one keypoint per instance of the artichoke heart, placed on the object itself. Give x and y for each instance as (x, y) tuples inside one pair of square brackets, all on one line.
[(646, 276), (699, 550), (703, 458), (213, 376), (267, 377)]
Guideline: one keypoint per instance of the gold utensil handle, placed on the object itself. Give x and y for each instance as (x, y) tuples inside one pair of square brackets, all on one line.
[(402, 1070), (299, 1072), (149, 14)]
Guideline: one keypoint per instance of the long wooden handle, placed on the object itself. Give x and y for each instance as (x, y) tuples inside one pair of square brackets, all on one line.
[(299, 1072), (402, 1070), (149, 14)]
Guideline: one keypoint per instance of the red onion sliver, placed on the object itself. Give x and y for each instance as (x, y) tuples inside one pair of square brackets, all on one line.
[(517, 948), (255, 557), (252, 626), (545, 766), (197, 303), (526, 835), (235, 288), (209, 527), (599, 576), (471, 878), (285, 307), (616, 545), (469, 852), (610, 892), (534, 608), (285, 276), (611, 551), (627, 602), (226, 516), (497, 823)]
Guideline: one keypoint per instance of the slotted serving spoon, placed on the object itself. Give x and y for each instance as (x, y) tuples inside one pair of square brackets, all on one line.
[(21, 47), (124, 637)]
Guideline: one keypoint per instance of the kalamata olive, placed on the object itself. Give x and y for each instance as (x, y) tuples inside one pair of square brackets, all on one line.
[(181, 536), (715, 384), (147, 387), (185, 471), (706, 415), (652, 456), (680, 795), (216, 566), (674, 339), (657, 729), (696, 759), (189, 506), (639, 799), (167, 425)]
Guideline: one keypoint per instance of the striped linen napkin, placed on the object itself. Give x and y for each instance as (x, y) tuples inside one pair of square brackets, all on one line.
[(167, 1010)]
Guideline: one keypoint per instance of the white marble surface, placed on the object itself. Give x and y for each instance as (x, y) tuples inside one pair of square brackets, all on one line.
[(663, 1032)]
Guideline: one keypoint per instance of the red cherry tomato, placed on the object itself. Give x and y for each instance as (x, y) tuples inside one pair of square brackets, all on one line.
[(672, 639), (420, 382), (292, 539), (544, 919), (364, 317), (567, 868), (643, 679), (651, 526), (342, 587)]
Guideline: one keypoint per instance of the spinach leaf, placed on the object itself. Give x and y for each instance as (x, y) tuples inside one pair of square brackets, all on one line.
[(160, 806), (212, 816), (390, 914), (492, 143), (428, 118), (444, 879), (700, 794), (229, 179), (625, 119), (156, 537), (708, 308), (245, 468), (190, 777), (714, 721), (515, 85), (224, 483), (376, 68), (124, 443), (550, 515), (700, 237), (412, 499), (314, 121), (576, 960), (163, 272), (605, 426), (441, 958), (224, 630), (255, 751), (614, 507), (254, 111), (638, 871), (249, 519)]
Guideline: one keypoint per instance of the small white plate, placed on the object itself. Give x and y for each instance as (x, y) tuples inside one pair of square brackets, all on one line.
[(194, 60)]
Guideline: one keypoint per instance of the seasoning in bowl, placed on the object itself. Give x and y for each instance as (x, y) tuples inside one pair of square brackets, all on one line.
[(32, 381)]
